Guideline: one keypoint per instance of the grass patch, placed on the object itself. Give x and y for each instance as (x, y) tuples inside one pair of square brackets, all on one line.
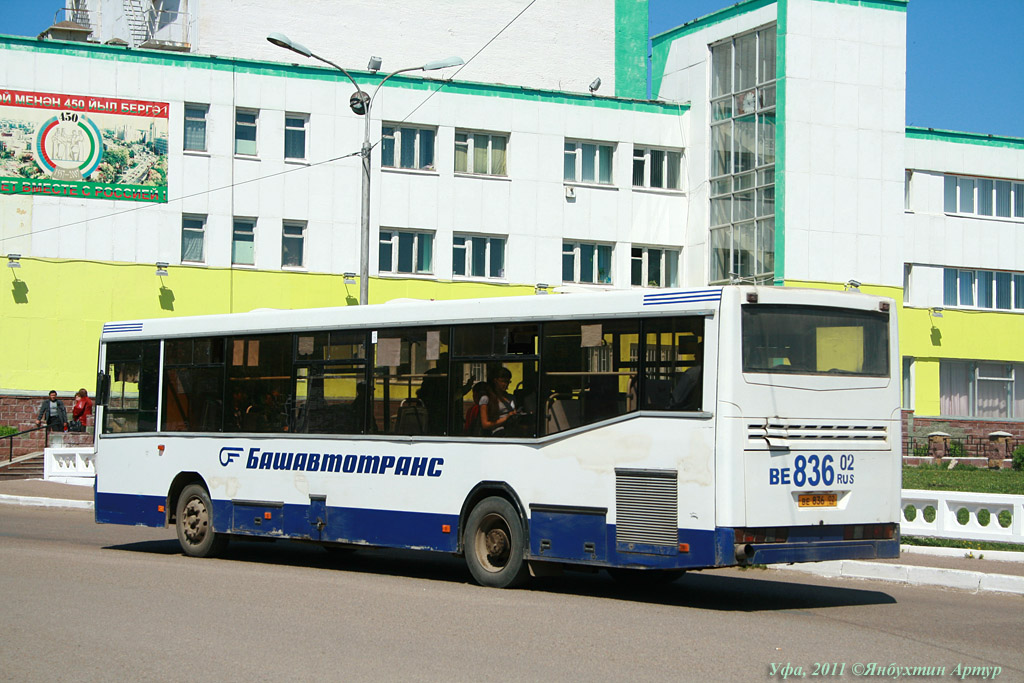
[(956, 543), (964, 478)]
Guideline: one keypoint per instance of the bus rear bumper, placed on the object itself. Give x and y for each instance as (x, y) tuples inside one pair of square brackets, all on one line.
[(817, 551)]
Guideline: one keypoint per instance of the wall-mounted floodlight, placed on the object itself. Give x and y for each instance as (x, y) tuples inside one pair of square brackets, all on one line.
[(935, 311), (161, 268), (374, 65), (595, 84), (350, 278), (542, 288), (853, 284), (14, 260)]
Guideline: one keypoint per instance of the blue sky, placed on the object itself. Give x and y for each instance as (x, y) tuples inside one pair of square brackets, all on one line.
[(965, 60)]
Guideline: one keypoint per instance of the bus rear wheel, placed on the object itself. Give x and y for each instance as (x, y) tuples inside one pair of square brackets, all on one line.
[(495, 544), (194, 522)]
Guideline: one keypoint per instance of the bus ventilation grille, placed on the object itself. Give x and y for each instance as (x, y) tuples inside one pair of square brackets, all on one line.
[(818, 432), (646, 507)]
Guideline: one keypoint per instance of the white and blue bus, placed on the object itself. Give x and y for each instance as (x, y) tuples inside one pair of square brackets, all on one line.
[(645, 433)]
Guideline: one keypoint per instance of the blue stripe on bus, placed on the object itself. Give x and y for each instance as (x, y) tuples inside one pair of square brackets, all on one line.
[(680, 297), (570, 538), (122, 327)]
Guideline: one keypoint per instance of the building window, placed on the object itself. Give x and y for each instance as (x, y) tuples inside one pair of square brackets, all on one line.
[(743, 158), (481, 153), (193, 238), (478, 256), (908, 176), (658, 168), (243, 242), (983, 197), (998, 290), (404, 251), (407, 147), (293, 237), (245, 131), (989, 390), (654, 267), (587, 263), (295, 136), (908, 383), (588, 162), (195, 127)]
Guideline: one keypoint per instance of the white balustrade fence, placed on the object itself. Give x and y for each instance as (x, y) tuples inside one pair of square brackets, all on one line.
[(70, 465), (987, 516)]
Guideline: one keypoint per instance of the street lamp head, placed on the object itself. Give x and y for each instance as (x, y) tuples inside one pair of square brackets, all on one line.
[(281, 40), (359, 103), (442, 63)]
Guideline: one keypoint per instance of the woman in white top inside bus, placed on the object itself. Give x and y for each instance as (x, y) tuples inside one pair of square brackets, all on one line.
[(497, 406)]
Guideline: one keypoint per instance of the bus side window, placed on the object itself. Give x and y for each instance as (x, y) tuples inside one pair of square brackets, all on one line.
[(673, 376), (588, 371)]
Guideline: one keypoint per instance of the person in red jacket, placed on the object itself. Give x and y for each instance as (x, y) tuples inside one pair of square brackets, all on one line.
[(82, 409)]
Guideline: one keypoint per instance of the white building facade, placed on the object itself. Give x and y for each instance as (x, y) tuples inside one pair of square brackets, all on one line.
[(775, 151)]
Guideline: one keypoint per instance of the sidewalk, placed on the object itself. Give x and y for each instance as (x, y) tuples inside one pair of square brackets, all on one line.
[(917, 565)]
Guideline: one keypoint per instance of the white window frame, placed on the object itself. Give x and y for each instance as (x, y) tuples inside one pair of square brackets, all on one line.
[(956, 282), (393, 135), (742, 134), (668, 265), (289, 126), (469, 139), (390, 236), (573, 154), (574, 248), (467, 249), (1013, 373), (242, 226), (199, 229), (197, 121), (246, 125), (671, 159), (978, 196), (288, 226)]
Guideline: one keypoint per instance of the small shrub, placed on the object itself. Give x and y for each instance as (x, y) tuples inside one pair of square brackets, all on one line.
[(7, 431), (1018, 458), (957, 450), (922, 451)]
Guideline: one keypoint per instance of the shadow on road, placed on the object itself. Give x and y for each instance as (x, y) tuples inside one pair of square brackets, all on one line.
[(727, 590)]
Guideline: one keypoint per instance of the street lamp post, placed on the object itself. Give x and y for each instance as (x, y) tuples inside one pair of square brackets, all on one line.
[(360, 103)]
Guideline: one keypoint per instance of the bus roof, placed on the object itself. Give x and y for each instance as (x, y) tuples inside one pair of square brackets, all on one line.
[(410, 313)]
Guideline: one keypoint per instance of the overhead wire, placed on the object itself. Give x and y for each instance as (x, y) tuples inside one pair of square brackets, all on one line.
[(233, 184)]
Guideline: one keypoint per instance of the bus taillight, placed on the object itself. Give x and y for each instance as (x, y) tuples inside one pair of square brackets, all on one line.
[(856, 532)]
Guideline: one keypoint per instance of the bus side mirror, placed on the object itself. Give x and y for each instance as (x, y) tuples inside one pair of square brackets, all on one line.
[(102, 388)]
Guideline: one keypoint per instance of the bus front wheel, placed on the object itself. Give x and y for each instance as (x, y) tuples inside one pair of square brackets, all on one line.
[(495, 544), (194, 522)]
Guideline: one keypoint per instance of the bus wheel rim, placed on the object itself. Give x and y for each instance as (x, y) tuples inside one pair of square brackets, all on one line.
[(197, 521), (493, 543)]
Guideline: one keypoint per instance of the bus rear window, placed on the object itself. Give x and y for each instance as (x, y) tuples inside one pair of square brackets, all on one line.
[(802, 340)]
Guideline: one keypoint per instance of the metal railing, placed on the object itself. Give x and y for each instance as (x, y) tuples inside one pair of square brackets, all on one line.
[(74, 14), (11, 437), (959, 447), (167, 26)]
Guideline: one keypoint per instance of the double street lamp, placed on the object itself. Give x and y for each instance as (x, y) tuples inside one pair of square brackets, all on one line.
[(360, 103)]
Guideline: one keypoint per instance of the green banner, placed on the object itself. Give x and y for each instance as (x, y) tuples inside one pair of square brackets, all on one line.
[(68, 188)]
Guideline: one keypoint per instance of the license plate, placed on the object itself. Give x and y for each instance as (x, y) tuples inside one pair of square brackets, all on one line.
[(817, 500)]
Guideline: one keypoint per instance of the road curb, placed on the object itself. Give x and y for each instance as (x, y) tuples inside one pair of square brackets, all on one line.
[(46, 502), (974, 582)]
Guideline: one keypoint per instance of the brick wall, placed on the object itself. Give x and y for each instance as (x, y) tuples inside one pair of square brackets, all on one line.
[(20, 411)]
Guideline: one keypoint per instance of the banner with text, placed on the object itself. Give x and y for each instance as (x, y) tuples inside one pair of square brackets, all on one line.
[(78, 146)]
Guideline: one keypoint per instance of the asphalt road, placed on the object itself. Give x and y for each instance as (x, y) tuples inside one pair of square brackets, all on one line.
[(89, 602)]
